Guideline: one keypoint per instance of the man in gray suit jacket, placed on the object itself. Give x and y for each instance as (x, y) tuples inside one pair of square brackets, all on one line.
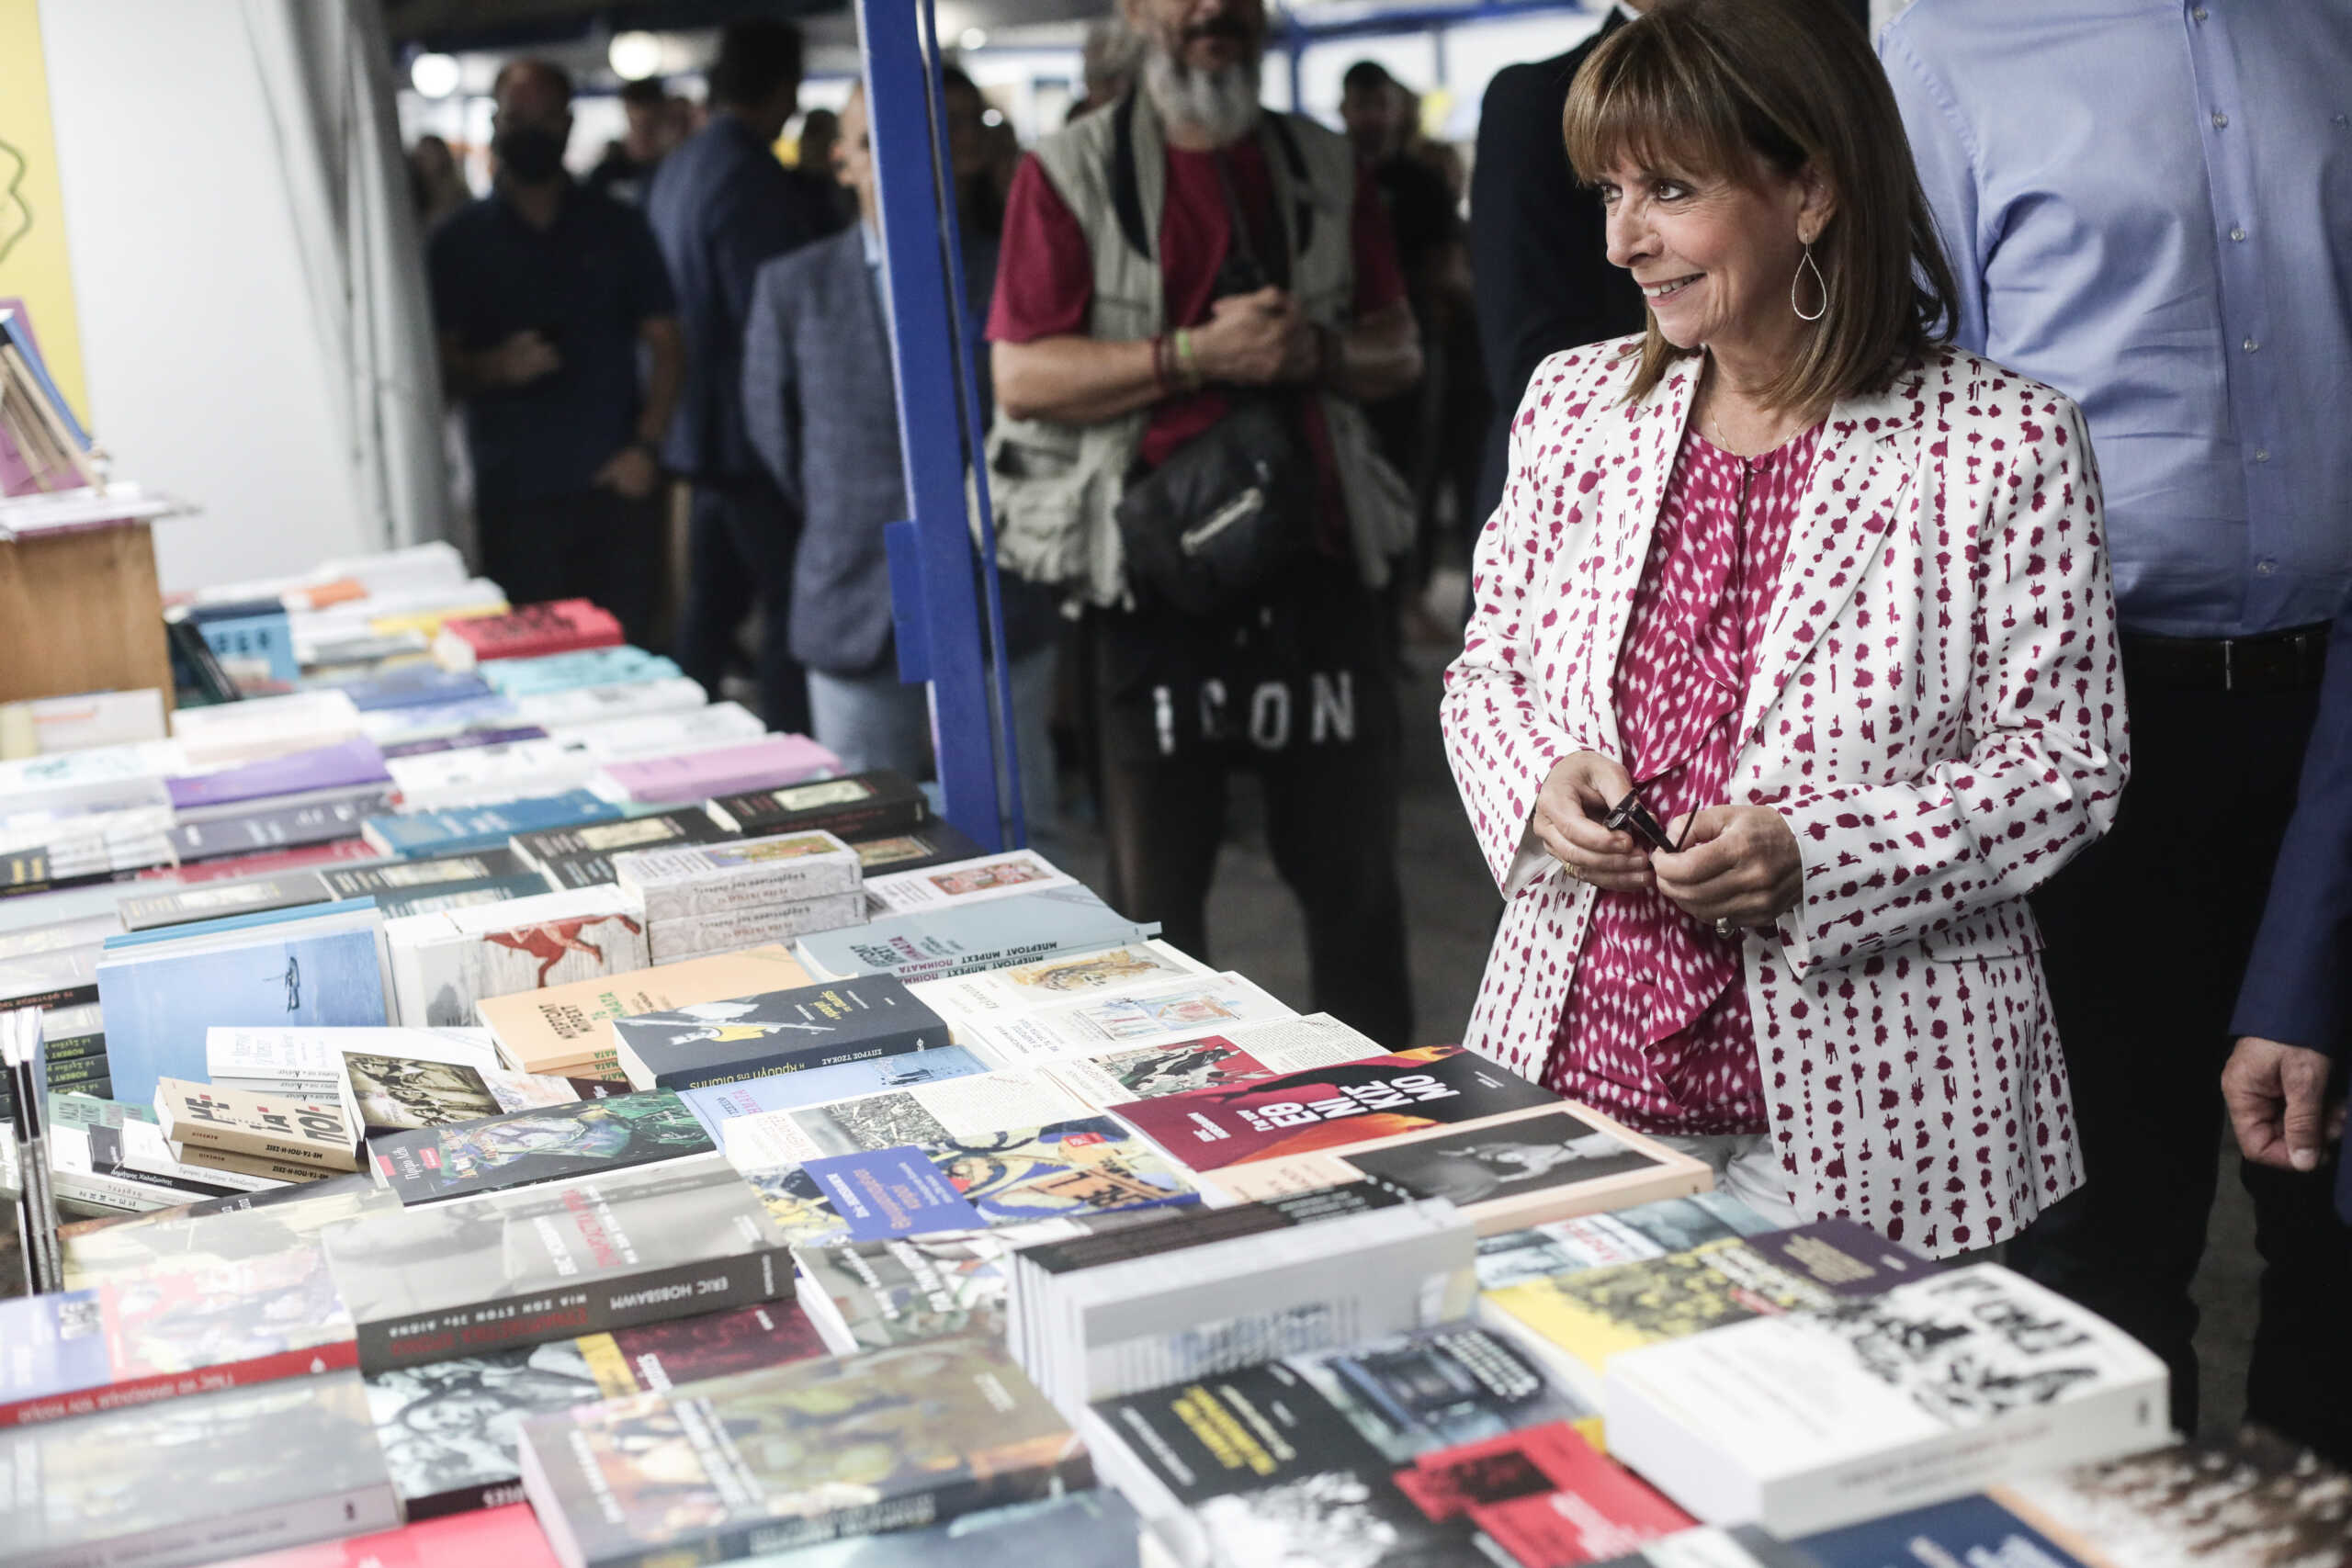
[(820, 409)]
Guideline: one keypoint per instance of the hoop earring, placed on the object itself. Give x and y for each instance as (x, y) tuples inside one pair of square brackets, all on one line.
[(1819, 281)]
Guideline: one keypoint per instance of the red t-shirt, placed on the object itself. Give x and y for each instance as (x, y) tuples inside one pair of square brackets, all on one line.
[(1045, 279)]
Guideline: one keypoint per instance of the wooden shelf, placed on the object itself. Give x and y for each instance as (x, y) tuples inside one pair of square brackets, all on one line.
[(81, 611)]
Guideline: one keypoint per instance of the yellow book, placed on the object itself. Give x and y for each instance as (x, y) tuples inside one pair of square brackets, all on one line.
[(429, 621), (564, 1028)]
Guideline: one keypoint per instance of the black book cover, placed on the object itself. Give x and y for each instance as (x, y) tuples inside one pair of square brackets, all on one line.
[(937, 842), (215, 899), (1236, 1431), (545, 1143), (581, 856), (278, 828), (549, 1262), (437, 874), (427, 900), (862, 805), (1198, 1227), (808, 1026)]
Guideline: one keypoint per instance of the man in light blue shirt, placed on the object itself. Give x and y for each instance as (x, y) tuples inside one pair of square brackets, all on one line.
[(2148, 205)]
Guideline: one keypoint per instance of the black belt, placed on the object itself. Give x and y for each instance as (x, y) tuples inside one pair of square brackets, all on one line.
[(2290, 660)]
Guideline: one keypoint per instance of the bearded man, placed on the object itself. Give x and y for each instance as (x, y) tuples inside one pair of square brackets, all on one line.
[(1191, 289)]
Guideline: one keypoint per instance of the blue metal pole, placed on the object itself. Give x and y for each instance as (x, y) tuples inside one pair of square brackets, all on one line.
[(938, 582)]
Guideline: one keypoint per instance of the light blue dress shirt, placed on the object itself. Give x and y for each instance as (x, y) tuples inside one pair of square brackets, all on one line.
[(2149, 207)]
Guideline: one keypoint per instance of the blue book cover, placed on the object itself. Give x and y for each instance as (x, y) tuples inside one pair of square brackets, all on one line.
[(256, 651), (158, 1006), (1063, 1170), (473, 828), (252, 921), (882, 1194), (1966, 1529), (416, 685), (938, 943), (788, 1091), (565, 671), (425, 721)]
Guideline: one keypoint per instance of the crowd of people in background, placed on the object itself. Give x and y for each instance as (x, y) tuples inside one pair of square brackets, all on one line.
[(1177, 286)]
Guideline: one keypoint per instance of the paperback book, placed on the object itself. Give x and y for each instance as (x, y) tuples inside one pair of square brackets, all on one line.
[(181, 1326), (796, 1456), (963, 1109), (1027, 928), (860, 805), (1506, 1171), (471, 830), (429, 874), (1159, 1013), (695, 776), (299, 1132), (554, 1143), (236, 1469), (716, 1106), (937, 842), (449, 1429), (825, 1025), (1066, 1170), (443, 964), (1579, 1322), (967, 882), (570, 1025), (581, 855), (1823, 1418), (1017, 989), (676, 939), (589, 1256), (1625, 1236), (1362, 1102), (214, 899), (738, 874), (269, 828)]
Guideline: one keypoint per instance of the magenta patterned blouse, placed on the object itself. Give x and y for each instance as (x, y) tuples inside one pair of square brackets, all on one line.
[(1657, 1031)]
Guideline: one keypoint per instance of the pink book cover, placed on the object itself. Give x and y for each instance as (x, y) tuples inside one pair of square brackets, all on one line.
[(690, 777), (509, 1537)]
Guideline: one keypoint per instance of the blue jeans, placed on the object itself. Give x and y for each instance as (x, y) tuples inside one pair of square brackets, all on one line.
[(876, 721)]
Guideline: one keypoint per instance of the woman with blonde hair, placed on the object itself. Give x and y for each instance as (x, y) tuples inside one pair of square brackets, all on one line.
[(1792, 669)]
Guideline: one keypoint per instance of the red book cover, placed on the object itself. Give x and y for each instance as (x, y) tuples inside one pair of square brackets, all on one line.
[(534, 631), (265, 863), (1330, 1108), (1544, 1496), (508, 1537)]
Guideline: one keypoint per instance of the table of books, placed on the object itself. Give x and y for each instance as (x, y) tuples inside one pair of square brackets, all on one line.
[(472, 1099)]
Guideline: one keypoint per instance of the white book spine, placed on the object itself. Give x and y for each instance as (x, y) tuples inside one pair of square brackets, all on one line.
[(674, 940)]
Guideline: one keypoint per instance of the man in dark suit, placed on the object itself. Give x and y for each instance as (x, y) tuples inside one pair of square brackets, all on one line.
[(820, 409), (720, 205), (2295, 1009), (1538, 247)]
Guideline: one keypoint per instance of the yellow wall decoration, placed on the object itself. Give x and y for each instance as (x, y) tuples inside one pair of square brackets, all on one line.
[(34, 267)]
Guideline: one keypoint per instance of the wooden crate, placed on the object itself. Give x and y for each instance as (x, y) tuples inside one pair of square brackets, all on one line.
[(81, 612)]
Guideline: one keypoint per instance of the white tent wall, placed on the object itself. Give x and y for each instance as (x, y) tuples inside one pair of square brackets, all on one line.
[(245, 265)]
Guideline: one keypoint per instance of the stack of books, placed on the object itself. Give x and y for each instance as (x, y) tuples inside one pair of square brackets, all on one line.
[(717, 898)]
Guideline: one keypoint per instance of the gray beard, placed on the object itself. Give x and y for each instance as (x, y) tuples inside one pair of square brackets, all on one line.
[(1221, 105)]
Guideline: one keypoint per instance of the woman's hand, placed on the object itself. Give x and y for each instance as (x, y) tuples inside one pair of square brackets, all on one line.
[(1580, 790), (1739, 866)]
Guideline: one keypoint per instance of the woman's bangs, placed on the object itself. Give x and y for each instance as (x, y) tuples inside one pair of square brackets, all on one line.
[(1641, 105)]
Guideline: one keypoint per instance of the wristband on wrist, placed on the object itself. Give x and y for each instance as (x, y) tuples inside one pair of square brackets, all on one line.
[(1187, 364)]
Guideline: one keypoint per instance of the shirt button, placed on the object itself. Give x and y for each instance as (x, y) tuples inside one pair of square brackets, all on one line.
[(2238, 234), (2199, 14), (2266, 568), (2220, 120), (2250, 345), (2263, 455)]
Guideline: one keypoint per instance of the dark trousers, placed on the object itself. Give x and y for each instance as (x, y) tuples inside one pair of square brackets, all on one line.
[(591, 543), (1178, 706), (2148, 934), (739, 542)]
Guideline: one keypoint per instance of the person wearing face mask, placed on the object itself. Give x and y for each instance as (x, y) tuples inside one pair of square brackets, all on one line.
[(1792, 669), (545, 294)]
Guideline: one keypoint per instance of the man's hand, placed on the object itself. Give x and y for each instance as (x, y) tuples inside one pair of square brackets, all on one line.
[(517, 362), (1738, 863), (1255, 340), (1580, 791), (632, 471), (2277, 1099)]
